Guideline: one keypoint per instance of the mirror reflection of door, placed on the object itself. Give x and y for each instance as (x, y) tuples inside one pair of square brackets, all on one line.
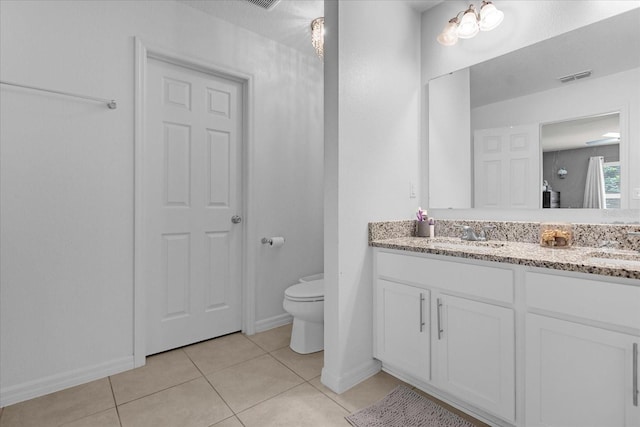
[(506, 167), (567, 147)]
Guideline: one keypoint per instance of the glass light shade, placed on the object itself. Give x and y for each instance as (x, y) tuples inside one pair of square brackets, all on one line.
[(490, 17), (468, 27), (317, 36), (449, 35)]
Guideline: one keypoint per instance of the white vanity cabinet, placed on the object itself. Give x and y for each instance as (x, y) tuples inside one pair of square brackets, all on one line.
[(581, 369), (402, 325), (466, 338), (474, 353), (478, 334)]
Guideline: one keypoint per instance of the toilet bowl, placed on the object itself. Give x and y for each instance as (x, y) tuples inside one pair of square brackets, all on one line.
[(305, 302)]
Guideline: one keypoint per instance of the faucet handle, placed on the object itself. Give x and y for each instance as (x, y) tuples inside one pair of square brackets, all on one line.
[(465, 231), (483, 232)]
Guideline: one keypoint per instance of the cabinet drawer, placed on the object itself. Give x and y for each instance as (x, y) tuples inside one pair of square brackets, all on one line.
[(474, 280), (591, 299)]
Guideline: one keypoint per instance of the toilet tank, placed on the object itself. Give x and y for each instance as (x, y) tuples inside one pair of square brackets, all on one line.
[(312, 277)]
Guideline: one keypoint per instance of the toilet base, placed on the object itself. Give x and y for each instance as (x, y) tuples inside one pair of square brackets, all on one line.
[(307, 337)]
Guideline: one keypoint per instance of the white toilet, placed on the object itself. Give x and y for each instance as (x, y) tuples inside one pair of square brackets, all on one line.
[(305, 302)]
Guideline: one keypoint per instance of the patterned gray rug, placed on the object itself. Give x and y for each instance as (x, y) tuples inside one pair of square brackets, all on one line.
[(404, 407)]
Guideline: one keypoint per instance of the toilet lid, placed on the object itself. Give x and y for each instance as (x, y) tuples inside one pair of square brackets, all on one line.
[(313, 291)]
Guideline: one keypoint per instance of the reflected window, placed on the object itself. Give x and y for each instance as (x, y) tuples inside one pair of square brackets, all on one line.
[(612, 184)]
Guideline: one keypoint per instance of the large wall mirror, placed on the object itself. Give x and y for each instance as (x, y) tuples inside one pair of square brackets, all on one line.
[(537, 121)]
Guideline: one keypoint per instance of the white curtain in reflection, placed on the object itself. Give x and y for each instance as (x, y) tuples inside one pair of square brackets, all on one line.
[(594, 195)]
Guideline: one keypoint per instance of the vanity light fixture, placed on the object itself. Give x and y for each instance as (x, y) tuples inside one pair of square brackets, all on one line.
[(471, 23), (317, 36)]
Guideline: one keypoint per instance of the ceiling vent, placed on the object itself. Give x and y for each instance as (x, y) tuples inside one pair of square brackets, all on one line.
[(576, 76), (265, 4)]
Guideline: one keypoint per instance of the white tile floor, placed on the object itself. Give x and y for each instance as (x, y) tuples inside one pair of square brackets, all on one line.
[(225, 382)]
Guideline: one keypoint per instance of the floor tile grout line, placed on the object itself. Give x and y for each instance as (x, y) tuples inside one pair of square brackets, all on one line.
[(268, 330), (269, 398), (226, 367), (286, 366), (223, 420), (263, 348), (230, 366), (114, 401), (327, 396), (330, 398), (212, 386), (158, 391), (267, 353), (92, 413), (264, 400)]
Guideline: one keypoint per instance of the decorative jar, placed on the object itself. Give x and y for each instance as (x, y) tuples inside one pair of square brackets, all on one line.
[(556, 235)]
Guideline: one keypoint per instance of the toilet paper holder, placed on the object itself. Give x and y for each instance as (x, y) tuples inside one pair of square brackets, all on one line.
[(268, 240)]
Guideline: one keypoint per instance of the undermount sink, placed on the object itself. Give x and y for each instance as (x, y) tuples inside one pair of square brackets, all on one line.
[(614, 258)]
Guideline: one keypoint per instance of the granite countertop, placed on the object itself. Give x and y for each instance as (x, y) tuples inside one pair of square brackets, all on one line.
[(607, 262)]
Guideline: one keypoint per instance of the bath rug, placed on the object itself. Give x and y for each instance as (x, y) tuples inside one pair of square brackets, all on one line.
[(403, 407)]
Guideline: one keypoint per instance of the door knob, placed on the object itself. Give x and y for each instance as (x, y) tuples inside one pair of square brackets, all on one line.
[(236, 219)]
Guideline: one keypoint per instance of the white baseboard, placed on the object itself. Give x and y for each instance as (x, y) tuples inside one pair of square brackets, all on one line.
[(40, 387), (273, 322), (342, 383)]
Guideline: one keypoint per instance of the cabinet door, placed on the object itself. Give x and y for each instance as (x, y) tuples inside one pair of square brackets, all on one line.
[(475, 353), (402, 329), (579, 375)]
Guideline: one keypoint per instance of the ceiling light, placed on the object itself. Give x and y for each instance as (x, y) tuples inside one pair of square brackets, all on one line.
[(603, 141), (471, 23), (317, 36), (612, 135)]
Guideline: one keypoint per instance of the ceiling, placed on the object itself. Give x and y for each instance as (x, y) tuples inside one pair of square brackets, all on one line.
[(576, 133), (606, 47), (537, 67), (287, 23)]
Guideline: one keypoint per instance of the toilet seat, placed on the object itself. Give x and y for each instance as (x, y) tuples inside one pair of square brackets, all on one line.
[(306, 292)]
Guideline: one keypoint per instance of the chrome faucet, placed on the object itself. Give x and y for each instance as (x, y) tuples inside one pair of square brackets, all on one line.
[(469, 234)]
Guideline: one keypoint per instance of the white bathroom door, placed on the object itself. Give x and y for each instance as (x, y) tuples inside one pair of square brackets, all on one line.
[(507, 168), (192, 206)]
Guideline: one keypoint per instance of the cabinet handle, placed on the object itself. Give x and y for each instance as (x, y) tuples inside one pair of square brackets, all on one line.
[(635, 374), (440, 330), (421, 312)]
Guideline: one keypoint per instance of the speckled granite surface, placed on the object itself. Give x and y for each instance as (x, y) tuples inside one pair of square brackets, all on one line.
[(517, 243)]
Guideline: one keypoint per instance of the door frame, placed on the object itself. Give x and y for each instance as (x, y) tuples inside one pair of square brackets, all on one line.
[(144, 51)]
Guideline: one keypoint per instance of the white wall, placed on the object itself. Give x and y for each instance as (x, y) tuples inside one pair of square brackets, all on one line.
[(66, 280), (526, 22), (372, 88), (580, 99)]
